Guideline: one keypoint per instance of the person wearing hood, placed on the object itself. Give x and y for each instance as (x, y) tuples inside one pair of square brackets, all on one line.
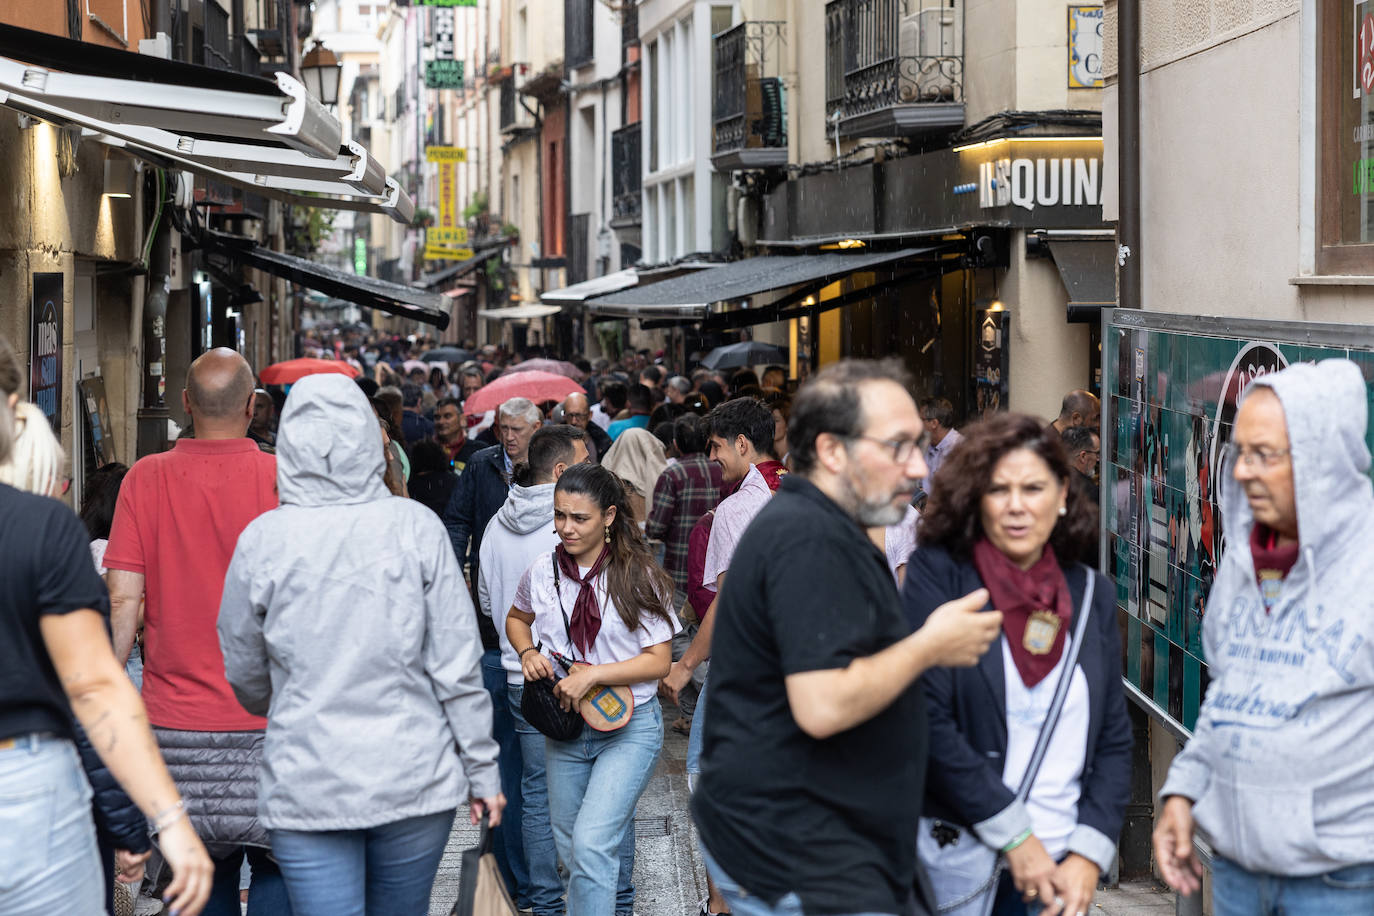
[(637, 457), (345, 621), (1277, 772)]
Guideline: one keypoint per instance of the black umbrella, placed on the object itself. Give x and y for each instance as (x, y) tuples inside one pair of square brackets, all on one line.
[(747, 353), (450, 355)]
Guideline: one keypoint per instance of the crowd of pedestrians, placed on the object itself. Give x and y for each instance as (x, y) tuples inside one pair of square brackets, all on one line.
[(332, 617)]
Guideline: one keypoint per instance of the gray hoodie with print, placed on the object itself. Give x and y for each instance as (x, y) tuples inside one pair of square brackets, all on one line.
[(1279, 766), (345, 620)]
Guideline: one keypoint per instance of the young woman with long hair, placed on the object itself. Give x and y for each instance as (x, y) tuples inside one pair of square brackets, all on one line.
[(603, 610)]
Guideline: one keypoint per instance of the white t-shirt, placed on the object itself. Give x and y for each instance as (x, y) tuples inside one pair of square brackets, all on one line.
[(900, 540), (615, 642), (1054, 795)]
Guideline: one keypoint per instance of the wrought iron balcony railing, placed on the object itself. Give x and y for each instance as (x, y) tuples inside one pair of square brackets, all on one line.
[(749, 111), (626, 175), (894, 66)]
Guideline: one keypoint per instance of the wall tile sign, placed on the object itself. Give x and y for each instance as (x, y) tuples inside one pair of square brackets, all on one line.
[(1171, 387)]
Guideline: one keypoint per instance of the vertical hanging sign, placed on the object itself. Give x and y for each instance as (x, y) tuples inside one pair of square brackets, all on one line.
[(45, 347), (443, 72), (448, 230)]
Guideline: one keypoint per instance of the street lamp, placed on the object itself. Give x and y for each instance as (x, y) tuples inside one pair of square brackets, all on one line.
[(320, 71)]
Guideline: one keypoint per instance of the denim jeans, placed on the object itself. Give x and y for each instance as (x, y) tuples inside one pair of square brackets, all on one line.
[(373, 872), (1237, 892), (266, 892), (507, 844), (541, 855), (595, 781), (695, 739), (48, 858), (743, 903)]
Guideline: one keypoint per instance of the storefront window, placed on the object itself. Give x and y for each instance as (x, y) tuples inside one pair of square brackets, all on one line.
[(1346, 129)]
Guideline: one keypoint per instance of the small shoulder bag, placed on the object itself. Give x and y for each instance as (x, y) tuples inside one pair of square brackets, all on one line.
[(604, 708)]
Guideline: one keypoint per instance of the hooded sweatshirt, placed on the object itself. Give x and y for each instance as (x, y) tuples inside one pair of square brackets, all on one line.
[(517, 535), (345, 620), (1278, 767)]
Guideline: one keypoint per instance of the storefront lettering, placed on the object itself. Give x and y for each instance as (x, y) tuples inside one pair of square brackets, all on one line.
[(1364, 176), (1028, 183)]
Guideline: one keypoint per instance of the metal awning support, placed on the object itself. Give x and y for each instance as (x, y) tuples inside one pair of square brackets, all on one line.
[(392, 298)]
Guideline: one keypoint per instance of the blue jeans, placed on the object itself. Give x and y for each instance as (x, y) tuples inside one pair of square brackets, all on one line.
[(546, 886), (743, 903), (507, 844), (267, 894), (1237, 892), (595, 782), (695, 739), (372, 872), (48, 857)]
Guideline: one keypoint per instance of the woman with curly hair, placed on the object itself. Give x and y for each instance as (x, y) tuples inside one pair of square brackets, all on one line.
[(1003, 516)]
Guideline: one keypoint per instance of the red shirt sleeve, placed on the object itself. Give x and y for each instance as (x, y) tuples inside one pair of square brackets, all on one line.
[(698, 595), (125, 550)]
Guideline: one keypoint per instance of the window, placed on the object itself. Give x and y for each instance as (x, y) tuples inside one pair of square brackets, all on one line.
[(1345, 130)]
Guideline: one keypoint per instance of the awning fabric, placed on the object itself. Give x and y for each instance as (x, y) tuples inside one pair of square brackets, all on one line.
[(519, 311), (392, 298), (578, 293), (481, 253), (690, 296), (1088, 268)]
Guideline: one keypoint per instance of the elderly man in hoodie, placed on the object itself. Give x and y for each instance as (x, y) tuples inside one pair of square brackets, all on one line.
[(1277, 774), (521, 531)]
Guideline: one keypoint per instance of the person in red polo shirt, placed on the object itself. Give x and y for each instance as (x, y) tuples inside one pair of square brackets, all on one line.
[(177, 520)]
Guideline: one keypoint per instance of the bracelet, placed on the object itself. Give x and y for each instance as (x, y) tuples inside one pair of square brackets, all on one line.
[(168, 817), (1020, 838), (526, 649)]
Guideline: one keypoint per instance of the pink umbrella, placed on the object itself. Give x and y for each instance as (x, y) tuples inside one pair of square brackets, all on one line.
[(556, 366), (293, 370), (535, 385)]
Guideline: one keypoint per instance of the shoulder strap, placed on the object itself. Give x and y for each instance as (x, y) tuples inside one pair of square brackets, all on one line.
[(1061, 689), (567, 624)]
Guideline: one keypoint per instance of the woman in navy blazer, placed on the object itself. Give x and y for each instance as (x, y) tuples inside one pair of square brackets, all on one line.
[(1003, 516)]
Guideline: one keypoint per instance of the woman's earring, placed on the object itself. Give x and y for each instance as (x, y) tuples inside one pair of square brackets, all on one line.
[(1063, 510), (608, 534)]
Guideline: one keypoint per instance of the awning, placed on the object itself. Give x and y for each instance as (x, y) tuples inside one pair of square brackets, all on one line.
[(1087, 265), (392, 298), (689, 297), (457, 292), (578, 293), (139, 90), (482, 252), (519, 311)]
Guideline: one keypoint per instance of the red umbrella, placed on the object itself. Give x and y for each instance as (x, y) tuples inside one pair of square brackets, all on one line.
[(556, 366), (293, 370), (537, 386)]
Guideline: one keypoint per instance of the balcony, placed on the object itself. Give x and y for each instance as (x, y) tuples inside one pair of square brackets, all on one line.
[(749, 112), (894, 67), (626, 175)]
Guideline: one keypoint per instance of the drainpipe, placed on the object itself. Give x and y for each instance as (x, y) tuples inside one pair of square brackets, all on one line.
[(1128, 131)]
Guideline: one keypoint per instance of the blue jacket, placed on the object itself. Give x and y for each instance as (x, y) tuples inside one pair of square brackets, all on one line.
[(482, 490), (116, 816), (968, 719)]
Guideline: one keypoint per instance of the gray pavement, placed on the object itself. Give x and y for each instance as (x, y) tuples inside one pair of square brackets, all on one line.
[(668, 872)]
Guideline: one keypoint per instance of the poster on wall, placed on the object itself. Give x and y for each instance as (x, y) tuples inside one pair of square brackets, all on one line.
[(96, 410), (1171, 387), (45, 347), (990, 362)]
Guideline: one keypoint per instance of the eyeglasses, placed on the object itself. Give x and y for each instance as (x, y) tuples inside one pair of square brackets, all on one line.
[(902, 449), (1266, 457)]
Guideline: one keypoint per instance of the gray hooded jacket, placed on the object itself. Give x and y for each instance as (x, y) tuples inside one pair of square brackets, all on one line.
[(521, 530), (1279, 767), (345, 620)]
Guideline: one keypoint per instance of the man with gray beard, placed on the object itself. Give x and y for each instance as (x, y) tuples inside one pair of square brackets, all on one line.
[(815, 738)]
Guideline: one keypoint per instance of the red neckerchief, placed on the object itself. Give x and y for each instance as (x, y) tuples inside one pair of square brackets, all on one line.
[(1019, 594), (773, 472), (453, 448), (1272, 562), (586, 615)]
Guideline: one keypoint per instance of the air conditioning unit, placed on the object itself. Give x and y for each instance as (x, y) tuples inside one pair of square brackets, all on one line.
[(924, 38)]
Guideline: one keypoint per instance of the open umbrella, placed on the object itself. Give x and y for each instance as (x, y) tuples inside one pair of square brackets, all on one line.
[(746, 353), (451, 355), (411, 365), (293, 370), (535, 385), (556, 366)]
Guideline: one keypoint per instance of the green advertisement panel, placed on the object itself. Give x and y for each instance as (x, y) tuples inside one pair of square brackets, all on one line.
[(1171, 384)]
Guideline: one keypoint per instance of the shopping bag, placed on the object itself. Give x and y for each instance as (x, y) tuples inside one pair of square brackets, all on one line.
[(481, 890)]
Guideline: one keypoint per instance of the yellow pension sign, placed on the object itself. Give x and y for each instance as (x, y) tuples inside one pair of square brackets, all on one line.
[(440, 253), (446, 154), (446, 235)]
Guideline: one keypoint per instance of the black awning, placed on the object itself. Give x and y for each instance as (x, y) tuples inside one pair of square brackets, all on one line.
[(691, 295), (392, 298), (1088, 268), (55, 53)]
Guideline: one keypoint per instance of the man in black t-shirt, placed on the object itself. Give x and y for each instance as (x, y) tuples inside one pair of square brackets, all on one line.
[(815, 743)]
